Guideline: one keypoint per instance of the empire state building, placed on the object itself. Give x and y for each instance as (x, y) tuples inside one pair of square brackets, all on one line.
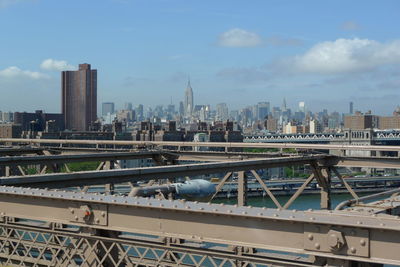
[(188, 102)]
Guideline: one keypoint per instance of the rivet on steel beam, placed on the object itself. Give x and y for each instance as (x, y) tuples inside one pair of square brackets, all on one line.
[(229, 211), (161, 205), (276, 215), (353, 250), (76, 218), (97, 220), (201, 208), (317, 245), (291, 217), (363, 242), (310, 237), (215, 210), (103, 214), (312, 218), (260, 214), (244, 212), (359, 222)]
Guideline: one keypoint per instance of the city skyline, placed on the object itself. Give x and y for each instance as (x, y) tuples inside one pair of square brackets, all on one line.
[(325, 54)]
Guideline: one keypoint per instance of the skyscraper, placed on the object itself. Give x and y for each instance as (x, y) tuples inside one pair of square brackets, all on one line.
[(188, 101), (79, 97), (222, 112), (351, 111), (128, 106), (263, 109), (284, 106), (107, 108)]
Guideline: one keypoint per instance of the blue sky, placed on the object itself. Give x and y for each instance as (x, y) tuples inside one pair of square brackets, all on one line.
[(325, 53)]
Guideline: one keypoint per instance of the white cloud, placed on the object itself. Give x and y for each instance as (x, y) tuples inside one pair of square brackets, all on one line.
[(15, 72), (56, 65), (239, 38), (346, 55)]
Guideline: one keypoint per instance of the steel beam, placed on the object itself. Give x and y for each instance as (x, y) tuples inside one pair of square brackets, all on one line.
[(202, 144), (53, 159), (126, 175), (351, 236), (242, 189)]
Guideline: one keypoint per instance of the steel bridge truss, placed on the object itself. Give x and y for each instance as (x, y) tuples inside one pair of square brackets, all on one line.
[(52, 227), (41, 227)]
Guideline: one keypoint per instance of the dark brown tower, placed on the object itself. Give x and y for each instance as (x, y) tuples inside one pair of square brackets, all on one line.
[(79, 98)]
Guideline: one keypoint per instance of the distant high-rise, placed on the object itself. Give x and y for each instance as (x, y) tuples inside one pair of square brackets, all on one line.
[(284, 106), (181, 108), (79, 97), (222, 112), (128, 106), (188, 101), (139, 112), (351, 111), (107, 108), (263, 109)]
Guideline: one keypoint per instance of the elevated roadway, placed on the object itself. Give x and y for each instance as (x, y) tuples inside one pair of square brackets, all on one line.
[(226, 145)]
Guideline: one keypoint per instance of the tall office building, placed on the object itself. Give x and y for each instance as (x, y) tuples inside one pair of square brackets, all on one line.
[(284, 106), (139, 112), (79, 97), (181, 109), (263, 109), (351, 108), (128, 106), (222, 112), (107, 108), (188, 101)]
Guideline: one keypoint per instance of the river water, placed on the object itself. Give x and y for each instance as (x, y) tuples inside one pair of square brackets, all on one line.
[(303, 202)]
